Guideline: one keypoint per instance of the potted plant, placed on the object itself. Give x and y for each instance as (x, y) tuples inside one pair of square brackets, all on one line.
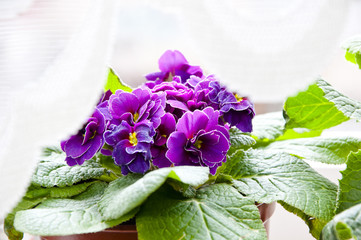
[(184, 158)]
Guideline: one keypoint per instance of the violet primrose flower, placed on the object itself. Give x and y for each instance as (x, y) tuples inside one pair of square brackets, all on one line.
[(199, 140), (131, 145), (87, 142), (159, 147), (139, 105), (173, 63)]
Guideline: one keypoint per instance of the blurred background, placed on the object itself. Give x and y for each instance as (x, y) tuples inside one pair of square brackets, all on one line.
[(265, 49)]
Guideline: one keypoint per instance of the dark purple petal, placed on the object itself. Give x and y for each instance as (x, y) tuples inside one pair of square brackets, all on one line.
[(175, 144), (241, 119), (74, 147), (121, 157), (71, 161), (117, 133), (157, 76), (159, 158), (139, 164)]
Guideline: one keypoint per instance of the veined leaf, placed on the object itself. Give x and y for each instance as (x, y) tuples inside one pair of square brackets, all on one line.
[(216, 212), (320, 107), (353, 50), (128, 192), (350, 184), (25, 203), (68, 216), (53, 171), (270, 127), (321, 149), (345, 225), (273, 176), (239, 140), (114, 83), (57, 192)]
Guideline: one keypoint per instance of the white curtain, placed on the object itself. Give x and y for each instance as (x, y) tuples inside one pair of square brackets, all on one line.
[(54, 55)]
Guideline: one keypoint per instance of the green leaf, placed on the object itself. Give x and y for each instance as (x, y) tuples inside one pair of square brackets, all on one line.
[(345, 225), (25, 203), (273, 176), (239, 140), (321, 149), (108, 163), (217, 211), (53, 171), (114, 83), (57, 192), (68, 216), (128, 192), (350, 184), (320, 107), (268, 127), (353, 50)]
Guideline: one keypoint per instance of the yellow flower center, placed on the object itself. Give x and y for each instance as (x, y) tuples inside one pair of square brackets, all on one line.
[(135, 116), (198, 144), (133, 138), (239, 99)]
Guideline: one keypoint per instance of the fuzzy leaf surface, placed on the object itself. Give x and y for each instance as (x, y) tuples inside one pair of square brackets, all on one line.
[(320, 107), (321, 149), (345, 225), (353, 50), (273, 176), (216, 212), (53, 171), (350, 184), (68, 216), (130, 191)]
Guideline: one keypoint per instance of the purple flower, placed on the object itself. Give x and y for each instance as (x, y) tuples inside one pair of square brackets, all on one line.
[(199, 140), (87, 142), (237, 112), (177, 95), (137, 106), (131, 145), (159, 147), (173, 63)]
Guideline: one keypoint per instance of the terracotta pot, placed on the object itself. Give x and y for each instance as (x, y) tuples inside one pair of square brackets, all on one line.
[(128, 230)]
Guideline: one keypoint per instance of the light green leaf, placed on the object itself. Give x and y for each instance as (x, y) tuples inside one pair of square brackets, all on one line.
[(353, 50), (350, 184), (57, 192), (321, 149), (239, 140), (216, 212), (68, 216), (320, 107), (53, 171), (270, 127), (345, 225), (273, 176), (25, 203), (128, 192), (114, 83), (108, 163)]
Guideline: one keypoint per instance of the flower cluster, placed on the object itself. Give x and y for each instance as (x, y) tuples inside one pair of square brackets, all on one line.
[(178, 117)]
